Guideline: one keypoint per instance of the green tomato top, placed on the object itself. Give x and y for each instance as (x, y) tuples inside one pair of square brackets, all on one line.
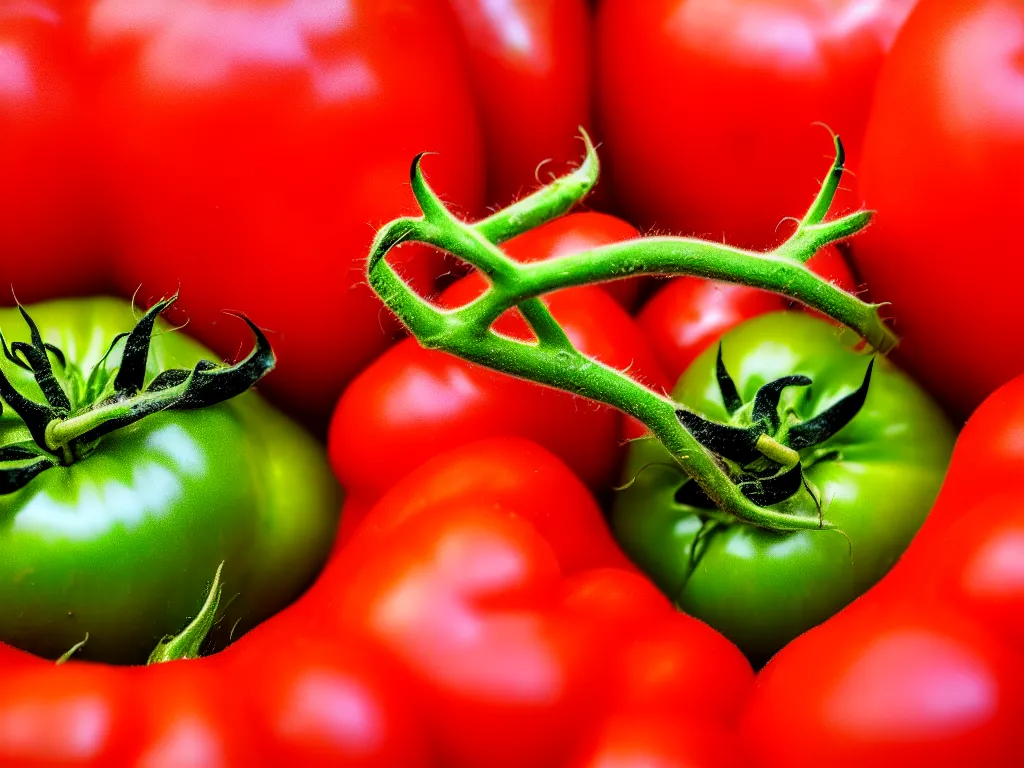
[(121, 531), (871, 471)]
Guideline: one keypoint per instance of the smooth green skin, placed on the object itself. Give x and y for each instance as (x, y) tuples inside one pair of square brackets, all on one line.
[(124, 543), (759, 588)]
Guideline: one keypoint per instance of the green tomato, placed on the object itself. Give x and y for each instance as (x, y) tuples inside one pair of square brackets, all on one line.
[(122, 539), (874, 480)]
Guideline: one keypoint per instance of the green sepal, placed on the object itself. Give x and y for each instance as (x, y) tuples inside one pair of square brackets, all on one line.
[(188, 643), (99, 375)]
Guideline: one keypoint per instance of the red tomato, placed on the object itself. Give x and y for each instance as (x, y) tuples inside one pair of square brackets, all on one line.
[(413, 403), (530, 70), (514, 662), (250, 147), (942, 163), (690, 314), (891, 684), (658, 739), (707, 107), (304, 701), (499, 469), (45, 223)]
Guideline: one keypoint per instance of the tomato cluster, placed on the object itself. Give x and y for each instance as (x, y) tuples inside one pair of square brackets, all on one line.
[(476, 569)]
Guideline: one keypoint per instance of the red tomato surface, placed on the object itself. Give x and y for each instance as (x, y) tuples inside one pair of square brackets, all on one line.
[(313, 702), (251, 147), (889, 685), (244, 152), (706, 108), (413, 403), (942, 162), (689, 314), (46, 233), (530, 71), (507, 634)]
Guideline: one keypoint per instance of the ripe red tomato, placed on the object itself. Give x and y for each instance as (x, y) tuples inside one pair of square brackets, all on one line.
[(45, 228), (515, 651), (690, 314), (707, 107), (412, 403), (243, 150), (251, 147), (530, 71), (942, 165), (888, 685)]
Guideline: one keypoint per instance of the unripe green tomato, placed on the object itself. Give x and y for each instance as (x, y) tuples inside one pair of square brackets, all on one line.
[(123, 542), (875, 479)]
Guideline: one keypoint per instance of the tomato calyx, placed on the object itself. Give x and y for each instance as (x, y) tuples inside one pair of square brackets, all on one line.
[(77, 410), (760, 448), (188, 643)]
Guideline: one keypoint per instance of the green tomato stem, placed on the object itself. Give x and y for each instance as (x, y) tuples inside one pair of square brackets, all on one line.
[(552, 360)]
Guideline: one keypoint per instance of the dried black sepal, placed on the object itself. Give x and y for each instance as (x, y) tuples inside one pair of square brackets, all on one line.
[(177, 376), (35, 415), (735, 443), (730, 396), (766, 401), (39, 361), (204, 385), (211, 383), (16, 478), (771, 490), (831, 420), (132, 373)]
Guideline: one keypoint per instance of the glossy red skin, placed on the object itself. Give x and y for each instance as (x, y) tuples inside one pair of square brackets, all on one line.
[(575, 233), (46, 226), (690, 314), (249, 148), (529, 64), (413, 403), (944, 144), (928, 666), (515, 660), (498, 469), (659, 739), (481, 624), (889, 684), (666, 706), (707, 108), (312, 701)]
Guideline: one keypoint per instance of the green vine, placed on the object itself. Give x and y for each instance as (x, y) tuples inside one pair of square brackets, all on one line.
[(552, 360)]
